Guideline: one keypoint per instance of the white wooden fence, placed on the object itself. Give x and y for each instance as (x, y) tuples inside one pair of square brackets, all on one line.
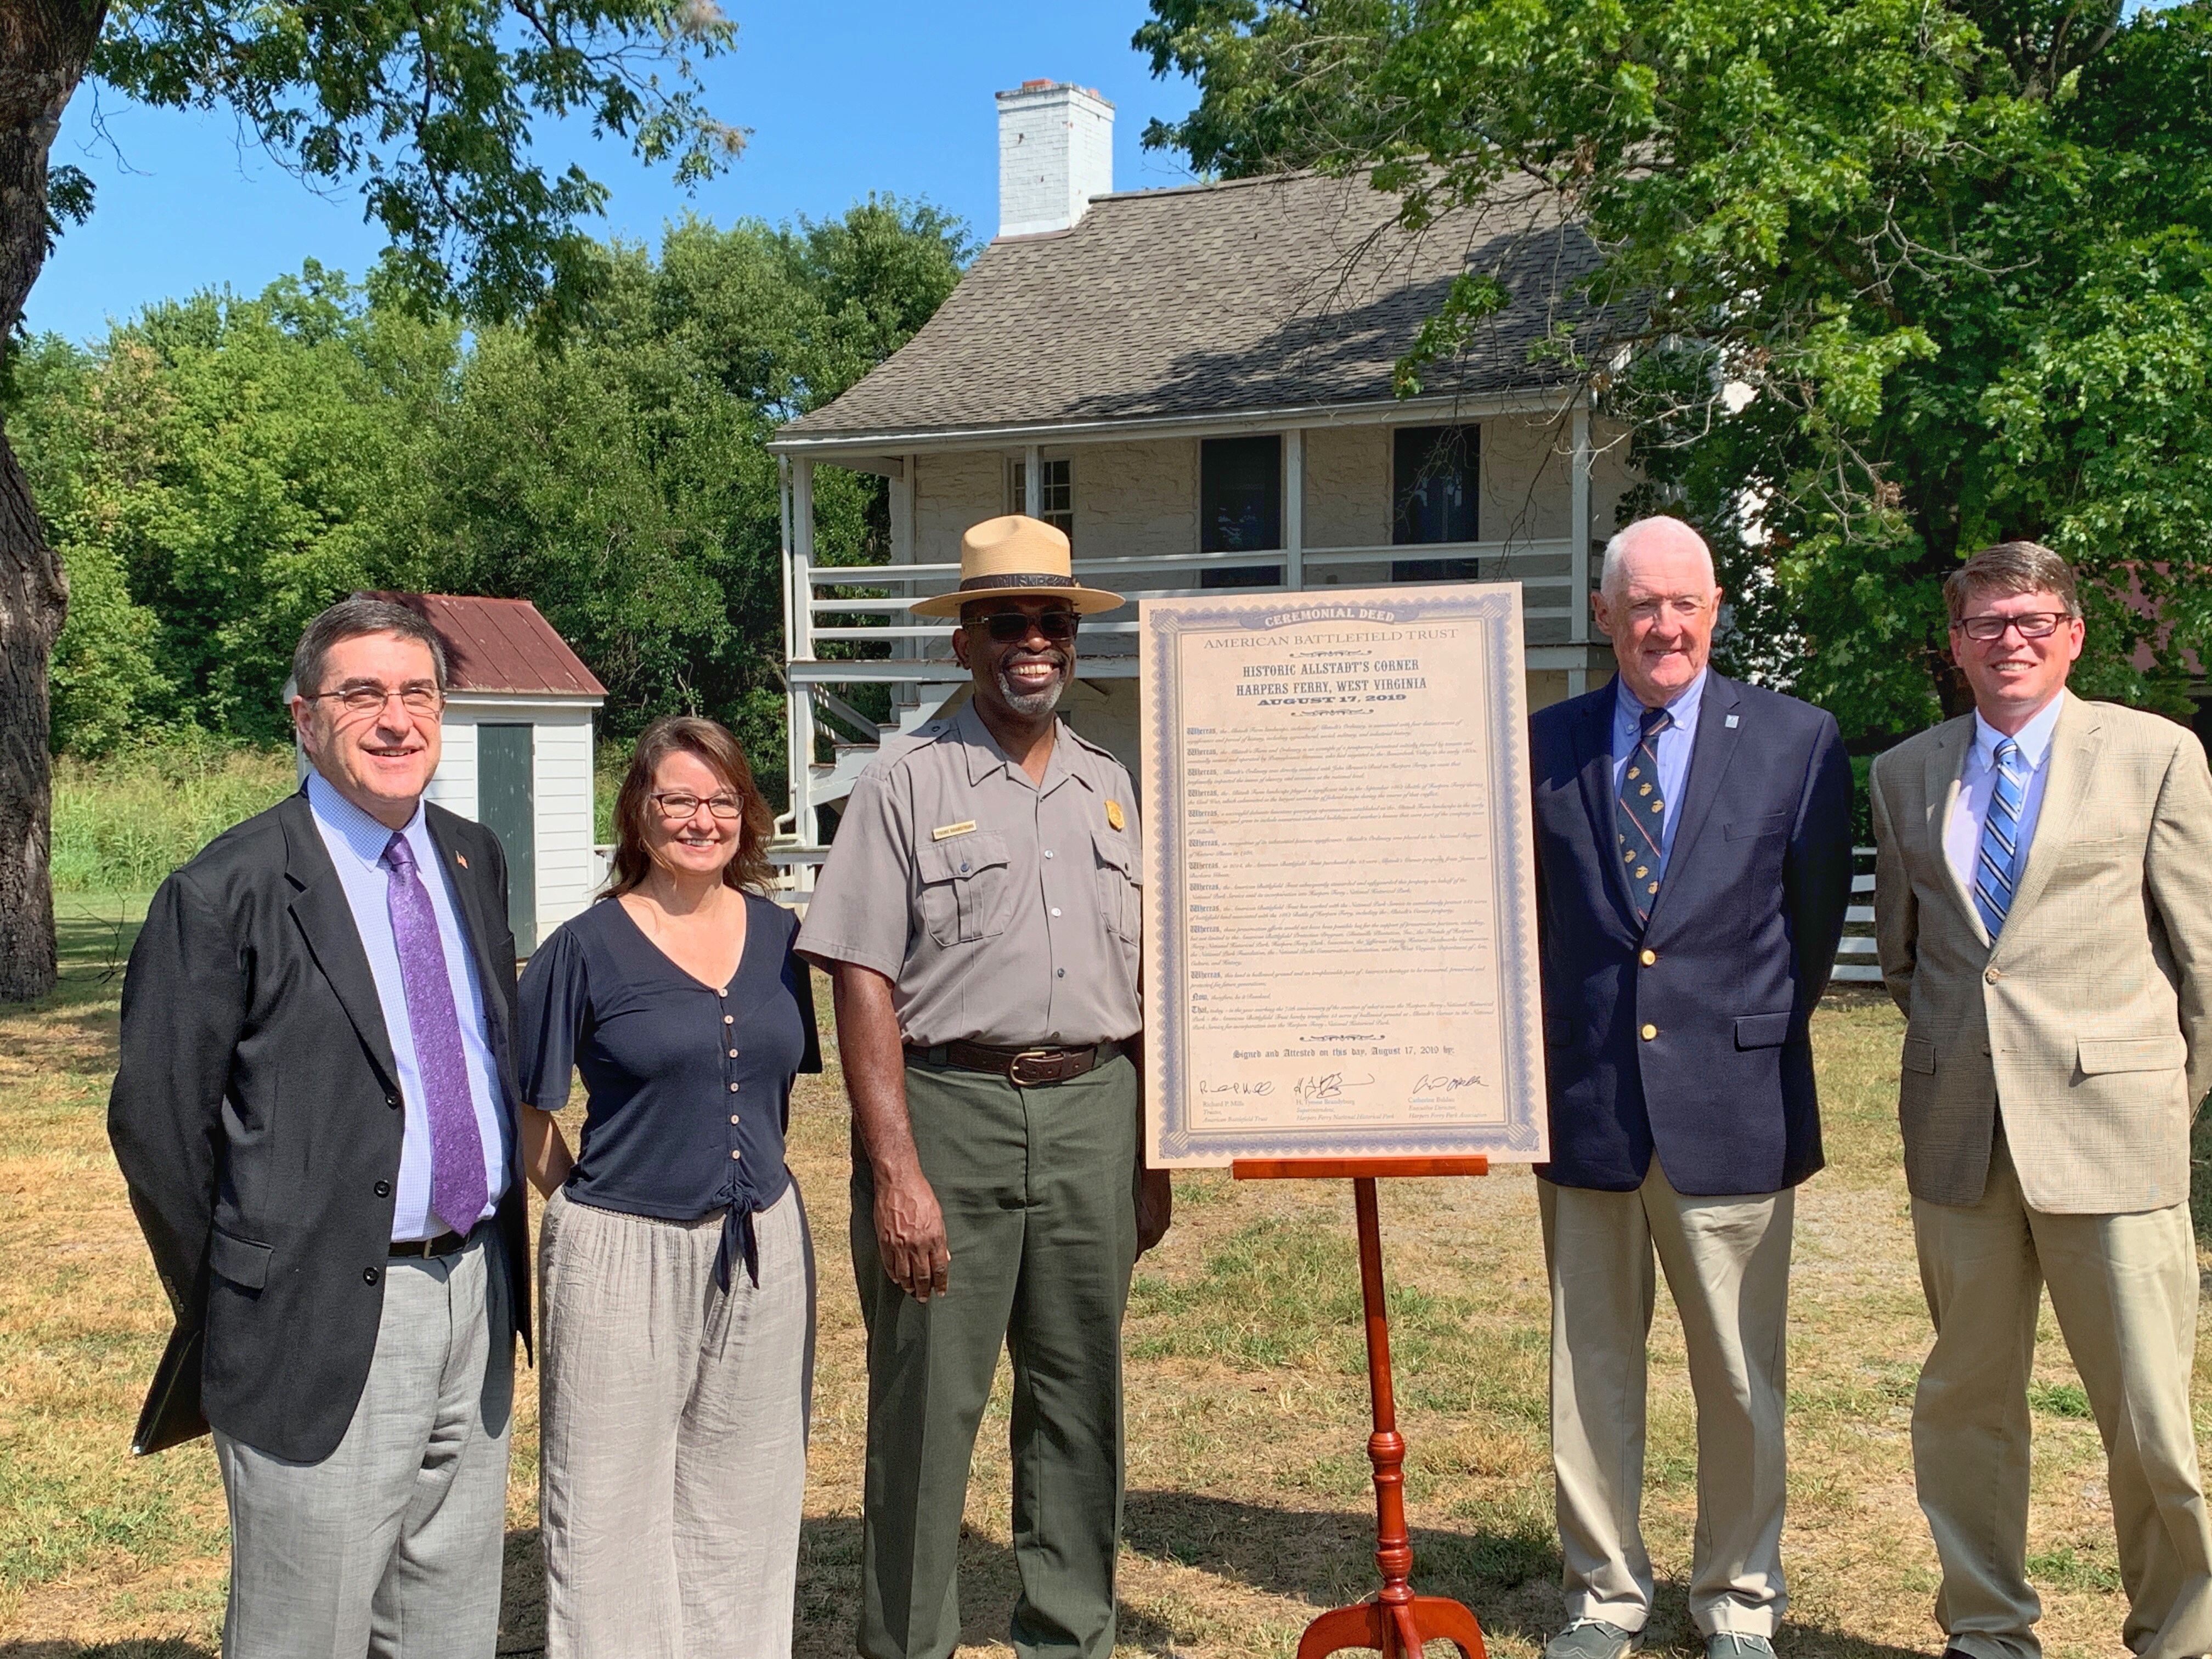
[(1855, 956)]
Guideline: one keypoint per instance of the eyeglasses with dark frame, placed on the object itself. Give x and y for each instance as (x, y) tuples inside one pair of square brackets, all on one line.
[(675, 805), (366, 697), (2032, 625), (1008, 627)]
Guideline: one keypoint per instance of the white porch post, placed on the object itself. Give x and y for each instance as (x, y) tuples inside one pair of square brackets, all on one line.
[(791, 692), (1033, 481), (1578, 540), (905, 536), (1294, 509), (805, 823)]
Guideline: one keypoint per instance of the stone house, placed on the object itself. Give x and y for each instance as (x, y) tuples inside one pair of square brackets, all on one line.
[(1196, 384)]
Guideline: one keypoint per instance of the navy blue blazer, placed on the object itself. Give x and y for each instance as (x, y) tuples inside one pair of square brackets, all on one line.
[(1738, 949)]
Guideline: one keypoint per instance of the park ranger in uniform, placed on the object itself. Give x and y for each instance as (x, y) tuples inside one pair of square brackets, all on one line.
[(980, 918)]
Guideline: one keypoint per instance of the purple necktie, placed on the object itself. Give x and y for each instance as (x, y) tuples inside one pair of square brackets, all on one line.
[(456, 1163)]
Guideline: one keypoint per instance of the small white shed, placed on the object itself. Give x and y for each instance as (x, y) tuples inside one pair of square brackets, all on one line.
[(517, 749)]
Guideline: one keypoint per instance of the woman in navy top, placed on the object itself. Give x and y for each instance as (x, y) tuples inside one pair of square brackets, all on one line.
[(678, 1278)]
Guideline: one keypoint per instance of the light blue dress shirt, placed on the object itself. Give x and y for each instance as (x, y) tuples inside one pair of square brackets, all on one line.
[(1978, 782), (357, 841), (1673, 744)]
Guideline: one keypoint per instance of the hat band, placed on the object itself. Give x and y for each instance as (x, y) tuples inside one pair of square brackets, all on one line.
[(979, 584)]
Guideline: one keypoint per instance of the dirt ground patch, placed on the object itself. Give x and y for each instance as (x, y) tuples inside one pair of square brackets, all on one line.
[(1248, 1508)]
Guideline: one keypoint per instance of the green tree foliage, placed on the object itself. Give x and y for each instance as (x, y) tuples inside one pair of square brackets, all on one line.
[(428, 108), (1887, 279), (219, 469)]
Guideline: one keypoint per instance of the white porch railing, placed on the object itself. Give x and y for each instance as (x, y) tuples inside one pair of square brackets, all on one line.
[(1552, 593)]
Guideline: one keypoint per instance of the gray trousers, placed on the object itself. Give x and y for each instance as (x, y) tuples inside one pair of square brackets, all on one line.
[(673, 1416), (2124, 1288), (1727, 1262), (391, 1546)]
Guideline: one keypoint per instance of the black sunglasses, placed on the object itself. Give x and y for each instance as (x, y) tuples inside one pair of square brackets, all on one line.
[(1007, 627)]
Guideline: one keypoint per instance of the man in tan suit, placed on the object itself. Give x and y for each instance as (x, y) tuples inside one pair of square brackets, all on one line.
[(2043, 899)]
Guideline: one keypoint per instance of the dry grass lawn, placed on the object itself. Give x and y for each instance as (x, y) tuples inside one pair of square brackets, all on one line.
[(1249, 1504)]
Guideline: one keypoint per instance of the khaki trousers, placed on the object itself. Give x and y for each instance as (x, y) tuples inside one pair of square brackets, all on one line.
[(2124, 1288), (1727, 1262)]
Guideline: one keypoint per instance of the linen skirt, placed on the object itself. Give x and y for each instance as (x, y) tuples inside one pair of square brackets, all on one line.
[(672, 1420)]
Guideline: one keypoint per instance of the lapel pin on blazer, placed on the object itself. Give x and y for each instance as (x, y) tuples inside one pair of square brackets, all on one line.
[(1731, 722), (462, 859)]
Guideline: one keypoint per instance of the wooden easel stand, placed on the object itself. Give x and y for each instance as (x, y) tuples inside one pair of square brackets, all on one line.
[(1396, 1622)]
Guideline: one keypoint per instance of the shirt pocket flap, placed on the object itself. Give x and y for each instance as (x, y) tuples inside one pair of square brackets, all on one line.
[(1119, 852), (1762, 1030), (1745, 829), (1919, 1054), (2157, 1053), (241, 1261), (961, 856)]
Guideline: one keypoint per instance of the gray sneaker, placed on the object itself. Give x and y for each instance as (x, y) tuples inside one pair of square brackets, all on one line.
[(1593, 1638), (1734, 1644)]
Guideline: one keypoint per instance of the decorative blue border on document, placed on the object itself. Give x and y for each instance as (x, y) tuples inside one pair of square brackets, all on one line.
[(1497, 608)]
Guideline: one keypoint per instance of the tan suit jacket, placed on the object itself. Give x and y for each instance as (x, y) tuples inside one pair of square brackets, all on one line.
[(2087, 1023)]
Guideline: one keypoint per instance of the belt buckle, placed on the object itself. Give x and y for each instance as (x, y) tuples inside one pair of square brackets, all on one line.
[(1021, 1079)]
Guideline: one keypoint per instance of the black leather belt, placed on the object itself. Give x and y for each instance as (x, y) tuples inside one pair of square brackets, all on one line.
[(444, 1244), (1023, 1067)]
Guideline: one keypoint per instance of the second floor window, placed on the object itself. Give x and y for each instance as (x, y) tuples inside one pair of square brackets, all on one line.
[(1240, 506), (1055, 494), (1432, 494)]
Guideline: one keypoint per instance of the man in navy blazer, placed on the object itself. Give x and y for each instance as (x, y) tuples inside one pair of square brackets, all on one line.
[(1692, 868)]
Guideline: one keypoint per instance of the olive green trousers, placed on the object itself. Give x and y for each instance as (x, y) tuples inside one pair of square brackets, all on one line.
[(1037, 1186)]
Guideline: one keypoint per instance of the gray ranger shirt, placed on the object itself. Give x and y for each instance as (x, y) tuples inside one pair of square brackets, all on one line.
[(1002, 911)]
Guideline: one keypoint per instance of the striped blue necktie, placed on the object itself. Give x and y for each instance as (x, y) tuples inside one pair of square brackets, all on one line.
[(1998, 866), (1639, 813)]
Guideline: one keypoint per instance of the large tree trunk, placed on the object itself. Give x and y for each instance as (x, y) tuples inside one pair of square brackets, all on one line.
[(44, 47)]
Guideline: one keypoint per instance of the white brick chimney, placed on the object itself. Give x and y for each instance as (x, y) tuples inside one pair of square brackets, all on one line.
[(1055, 152)]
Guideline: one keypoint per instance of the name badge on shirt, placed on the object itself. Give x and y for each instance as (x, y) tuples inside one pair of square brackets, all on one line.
[(946, 831)]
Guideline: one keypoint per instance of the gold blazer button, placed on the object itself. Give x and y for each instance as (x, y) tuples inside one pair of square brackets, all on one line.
[(1650, 1031)]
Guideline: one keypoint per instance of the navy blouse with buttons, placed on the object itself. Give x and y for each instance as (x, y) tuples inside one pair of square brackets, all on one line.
[(687, 1085)]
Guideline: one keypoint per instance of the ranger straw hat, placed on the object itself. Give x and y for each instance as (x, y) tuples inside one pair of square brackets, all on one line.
[(1017, 558)]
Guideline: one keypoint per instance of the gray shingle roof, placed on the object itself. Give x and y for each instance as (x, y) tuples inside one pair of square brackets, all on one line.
[(1276, 292)]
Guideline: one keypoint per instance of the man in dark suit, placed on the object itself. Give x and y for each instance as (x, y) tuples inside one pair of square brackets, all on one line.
[(1693, 865), (314, 1115)]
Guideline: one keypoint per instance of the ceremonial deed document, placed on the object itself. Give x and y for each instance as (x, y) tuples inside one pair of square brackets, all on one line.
[(1340, 922)]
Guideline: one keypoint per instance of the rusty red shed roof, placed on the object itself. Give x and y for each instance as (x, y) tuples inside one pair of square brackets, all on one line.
[(501, 646)]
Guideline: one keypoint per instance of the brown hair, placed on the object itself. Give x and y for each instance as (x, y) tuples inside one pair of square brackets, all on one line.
[(2011, 567), (748, 868)]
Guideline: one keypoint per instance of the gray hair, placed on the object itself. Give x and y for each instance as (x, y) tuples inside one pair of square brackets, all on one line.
[(1617, 549), (350, 618), (2011, 567)]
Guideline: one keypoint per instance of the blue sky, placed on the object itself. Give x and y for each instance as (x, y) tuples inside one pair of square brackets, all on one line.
[(843, 98)]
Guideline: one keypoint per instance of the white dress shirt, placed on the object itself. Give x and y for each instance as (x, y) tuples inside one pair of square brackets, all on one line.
[(357, 841), (1978, 781)]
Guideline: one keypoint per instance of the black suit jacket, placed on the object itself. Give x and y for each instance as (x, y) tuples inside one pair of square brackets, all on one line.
[(1742, 938), (257, 1118)]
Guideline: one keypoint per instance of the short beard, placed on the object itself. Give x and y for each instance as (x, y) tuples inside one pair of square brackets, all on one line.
[(1033, 705)]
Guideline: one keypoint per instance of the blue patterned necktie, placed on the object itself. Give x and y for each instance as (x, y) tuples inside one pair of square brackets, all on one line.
[(1997, 867), (1639, 813), (458, 1183)]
